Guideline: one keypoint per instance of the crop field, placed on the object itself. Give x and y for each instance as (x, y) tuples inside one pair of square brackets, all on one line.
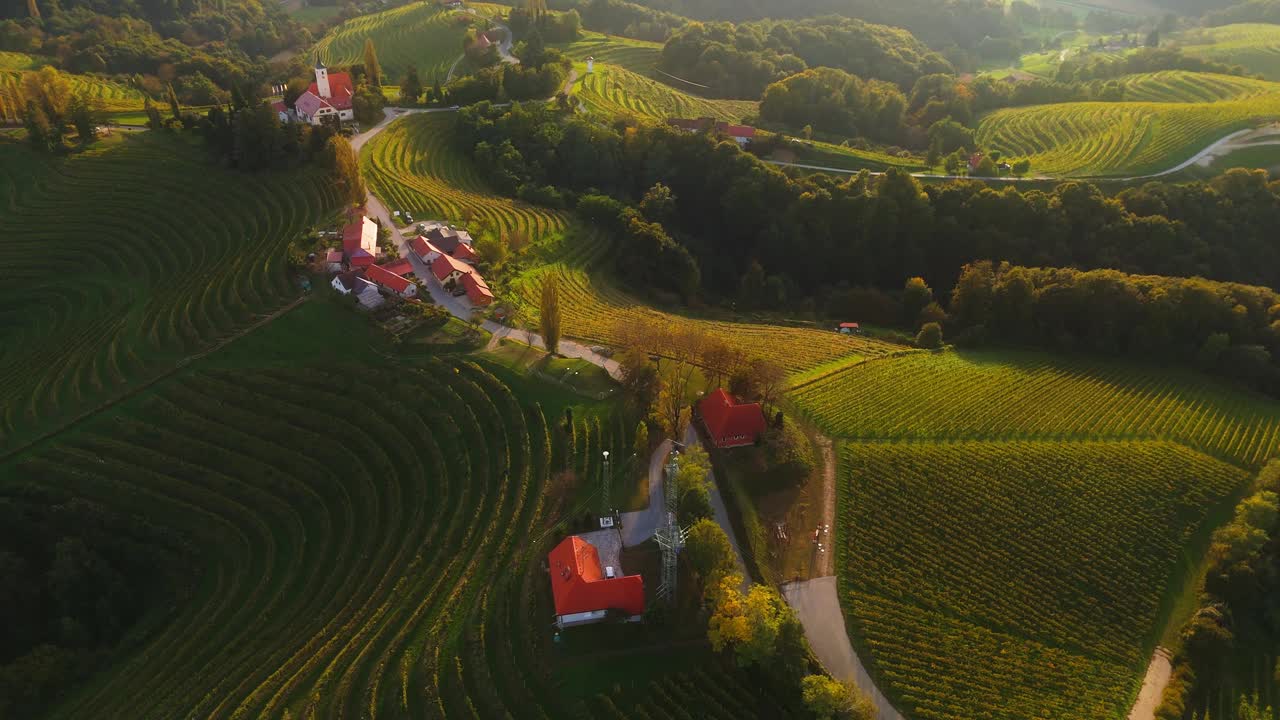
[(638, 56), (421, 35), (415, 165), (595, 311), (1172, 86), (124, 259), (1005, 396), (114, 96), (614, 90), (1127, 138), (1010, 580), (1256, 46)]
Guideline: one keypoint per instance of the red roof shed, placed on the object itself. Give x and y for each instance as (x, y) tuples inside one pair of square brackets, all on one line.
[(388, 279), (579, 584), (729, 423)]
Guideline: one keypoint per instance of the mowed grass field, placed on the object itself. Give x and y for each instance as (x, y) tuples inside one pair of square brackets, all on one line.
[(365, 537), (122, 260), (422, 35), (593, 310), (415, 164), (1129, 138), (1014, 527), (1256, 46), (626, 82)]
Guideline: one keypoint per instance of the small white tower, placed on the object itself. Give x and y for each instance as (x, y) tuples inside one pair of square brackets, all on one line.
[(322, 78), (591, 65)]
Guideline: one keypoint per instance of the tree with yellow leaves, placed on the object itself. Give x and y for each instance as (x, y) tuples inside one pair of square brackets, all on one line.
[(750, 624)]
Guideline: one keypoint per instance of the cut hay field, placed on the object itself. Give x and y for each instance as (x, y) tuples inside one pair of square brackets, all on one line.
[(122, 260), (422, 35), (1119, 139), (394, 573), (1016, 526), (414, 164), (1020, 579), (1256, 46), (595, 311)]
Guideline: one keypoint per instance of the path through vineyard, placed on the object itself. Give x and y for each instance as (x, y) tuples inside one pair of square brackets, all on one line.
[(1153, 685)]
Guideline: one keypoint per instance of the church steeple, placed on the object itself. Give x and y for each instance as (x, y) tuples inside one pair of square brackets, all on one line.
[(322, 79)]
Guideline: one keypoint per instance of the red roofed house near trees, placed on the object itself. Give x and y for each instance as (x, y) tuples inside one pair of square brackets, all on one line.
[(728, 423), (584, 591)]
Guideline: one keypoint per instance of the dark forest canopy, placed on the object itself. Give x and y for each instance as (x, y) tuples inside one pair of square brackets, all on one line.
[(821, 233), (741, 60), (1254, 11), (619, 17)]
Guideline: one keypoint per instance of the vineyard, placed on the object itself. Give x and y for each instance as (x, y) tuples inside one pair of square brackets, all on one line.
[(421, 35), (1016, 580), (1173, 86), (415, 165), (638, 56), (1127, 138), (124, 259), (396, 573), (595, 311), (1005, 396), (1256, 46), (614, 90), (114, 96)]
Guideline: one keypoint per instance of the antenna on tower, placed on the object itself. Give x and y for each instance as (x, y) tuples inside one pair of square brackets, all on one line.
[(670, 536)]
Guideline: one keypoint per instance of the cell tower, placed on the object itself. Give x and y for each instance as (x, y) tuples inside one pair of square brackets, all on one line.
[(669, 536)]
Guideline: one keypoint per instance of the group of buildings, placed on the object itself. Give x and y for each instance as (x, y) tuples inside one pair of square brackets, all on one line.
[(449, 253), (328, 99), (741, 134)]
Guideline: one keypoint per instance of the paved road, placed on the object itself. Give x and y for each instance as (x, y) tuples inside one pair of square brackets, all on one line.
[(817, 604), (640, 525)]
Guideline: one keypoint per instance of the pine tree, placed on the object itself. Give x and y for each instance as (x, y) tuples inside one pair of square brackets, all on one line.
[(549, 319), (371, 65), (174, 107), (410, 87)]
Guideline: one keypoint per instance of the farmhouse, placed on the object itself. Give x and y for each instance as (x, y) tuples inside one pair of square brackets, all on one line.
[(587, 584), (354, 282), (400, 266), (360, 240), (849, 328), (741, 134), (729, 423), (448, 271), (478, 291), (333, 260), (446, 238), (392, 282), (425, 251), (328, 98)]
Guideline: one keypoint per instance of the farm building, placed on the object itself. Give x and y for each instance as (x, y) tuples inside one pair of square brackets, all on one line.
[(400, 266), (446, 238), (360, 241), (448, 271), (392, 282), (478, 291), (729, 423), (328, 97), (587, 582), (741, 134), (354, 282), (425, 251), (465, 253), (333, 260), (848, 328)]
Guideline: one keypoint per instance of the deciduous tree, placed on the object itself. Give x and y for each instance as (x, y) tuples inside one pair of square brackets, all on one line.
[(344, 167), (708, 551)]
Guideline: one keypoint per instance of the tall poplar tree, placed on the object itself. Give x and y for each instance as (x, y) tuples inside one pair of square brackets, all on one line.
[(371, 65)]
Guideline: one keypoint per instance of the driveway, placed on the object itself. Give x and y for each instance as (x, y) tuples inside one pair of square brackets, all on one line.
[(640, 525), (817, 604)]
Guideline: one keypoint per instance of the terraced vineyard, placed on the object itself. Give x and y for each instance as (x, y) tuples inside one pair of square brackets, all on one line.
[(613, 90), (396, 573), (1256, 46), (1128, 138), (1016, 580), (422, 35), (952, 396), (122, 260), (415, 165), (637, 56), (114, 96), (594, 311), (1192, 87)]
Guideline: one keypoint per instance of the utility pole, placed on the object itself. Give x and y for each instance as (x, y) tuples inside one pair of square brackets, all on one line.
[(670, 536)]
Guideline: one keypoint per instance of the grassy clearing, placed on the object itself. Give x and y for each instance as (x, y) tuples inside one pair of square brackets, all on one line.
[(1127, 138), (415, 165), (1256, 46), (595, 311), (421, 35), (126, 258), (1021, 579), (1008, 395)]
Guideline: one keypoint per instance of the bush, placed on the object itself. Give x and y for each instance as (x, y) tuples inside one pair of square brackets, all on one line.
[(930, 336)]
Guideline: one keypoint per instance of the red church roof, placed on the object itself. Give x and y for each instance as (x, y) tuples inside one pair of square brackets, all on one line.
[(729, 423), (340, 91), (579, 584), (388, 279)]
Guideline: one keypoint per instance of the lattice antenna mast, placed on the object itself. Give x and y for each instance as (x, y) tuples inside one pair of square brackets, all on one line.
[(669, 536)]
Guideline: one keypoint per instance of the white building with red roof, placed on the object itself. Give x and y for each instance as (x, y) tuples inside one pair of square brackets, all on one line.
[(360, 241), (587, 581), (478, 291), (330, 96), (449, 271), (391, 282)]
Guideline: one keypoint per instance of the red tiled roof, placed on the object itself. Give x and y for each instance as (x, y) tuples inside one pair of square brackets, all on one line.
[(423, 246), (464, 252), (399, 267), (851, 326), (388, 279), (579, 585), (340, 91), (728, 423), (333, 256), (361, 232), (279, 106), (736, 131), (444, 266), (478, 291), (361, 258)]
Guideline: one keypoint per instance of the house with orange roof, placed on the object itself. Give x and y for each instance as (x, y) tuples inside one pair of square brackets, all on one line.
[(587, 581)]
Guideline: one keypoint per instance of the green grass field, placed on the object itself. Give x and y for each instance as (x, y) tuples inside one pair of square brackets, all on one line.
[(123, 259), (421, 35), (1255, 46), (1020, 579), (1018, 526), (1120, 139), (595, 311), (415, 165)]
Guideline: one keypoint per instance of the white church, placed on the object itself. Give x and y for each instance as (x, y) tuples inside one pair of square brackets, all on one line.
[(329, 96)]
